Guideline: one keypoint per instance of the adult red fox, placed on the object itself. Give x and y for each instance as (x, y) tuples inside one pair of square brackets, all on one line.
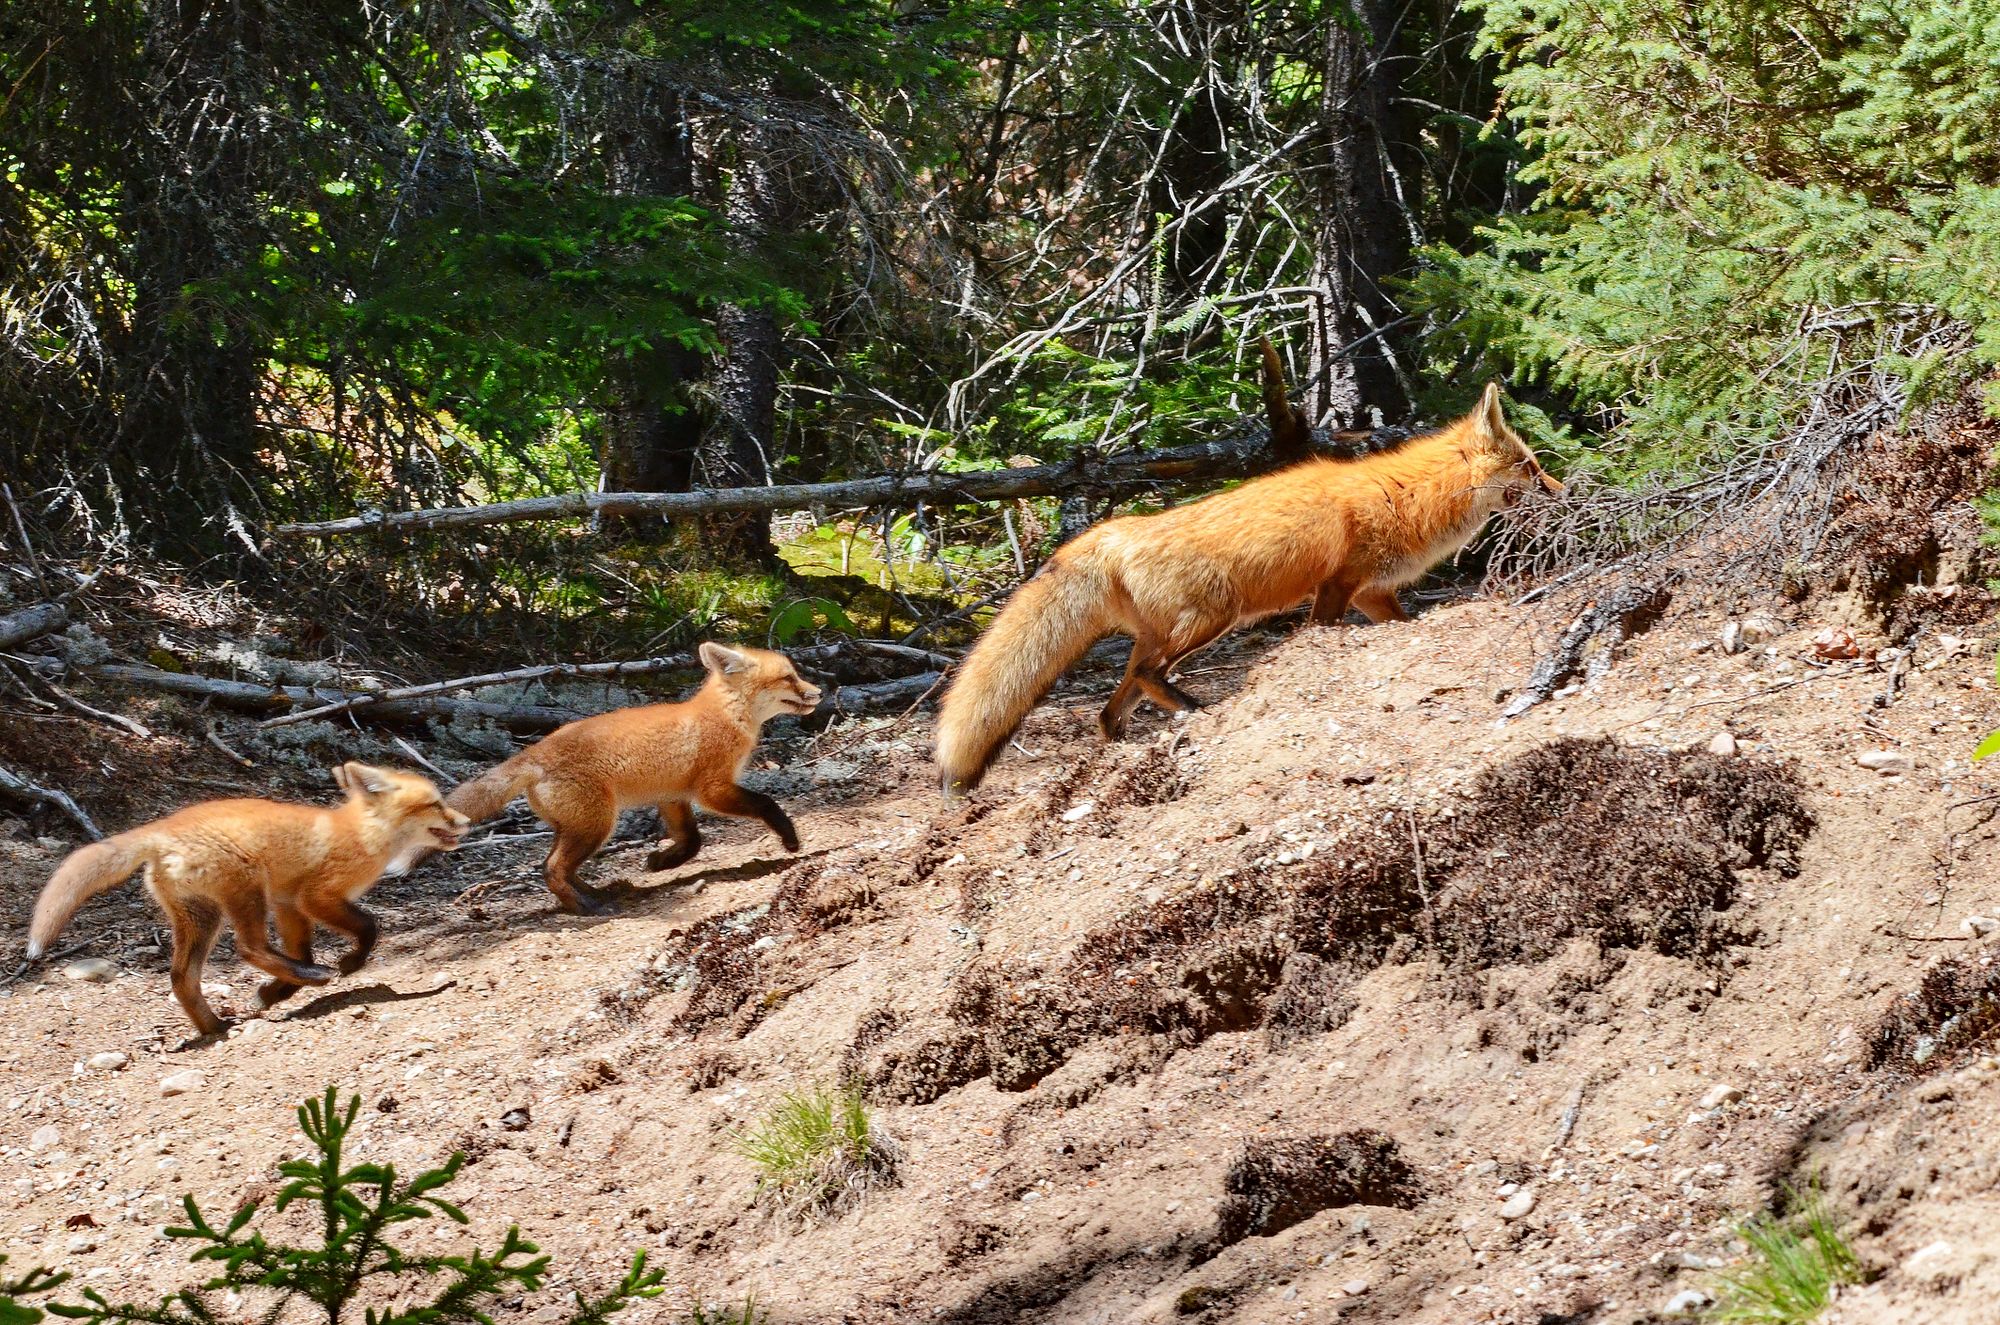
[(1342, 532), (578, 777), (248, 860)]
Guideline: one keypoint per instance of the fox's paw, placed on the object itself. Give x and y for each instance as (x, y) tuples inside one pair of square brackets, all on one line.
[(273, 992), (790, 842), (588, 904), (352, 962), (312, 975), (666, 858)]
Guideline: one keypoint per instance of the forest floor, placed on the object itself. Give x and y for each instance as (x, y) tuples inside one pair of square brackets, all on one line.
[(1332, 1001)]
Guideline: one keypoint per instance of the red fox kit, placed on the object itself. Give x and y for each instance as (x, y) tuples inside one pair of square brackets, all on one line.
[(246, 860), (1341, 532), (673, 756)]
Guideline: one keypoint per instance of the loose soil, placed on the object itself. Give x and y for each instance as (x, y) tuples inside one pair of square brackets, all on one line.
[(1270, 1013)]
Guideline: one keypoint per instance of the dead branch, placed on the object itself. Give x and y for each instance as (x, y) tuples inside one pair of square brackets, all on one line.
[(16, 785), (31, 623), (1245, 451), (673, 662), (520, 719), (1620, 614)]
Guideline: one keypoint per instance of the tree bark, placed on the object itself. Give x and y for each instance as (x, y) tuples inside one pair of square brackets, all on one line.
[(741, 450), (191, 415), (652, 426), (1369, 173)]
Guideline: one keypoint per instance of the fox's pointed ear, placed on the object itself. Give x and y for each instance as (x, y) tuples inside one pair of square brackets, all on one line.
[(722, 659), (360, 780), (1488, 419)]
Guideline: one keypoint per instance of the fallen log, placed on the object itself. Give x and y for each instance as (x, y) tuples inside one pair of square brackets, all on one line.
[(32, 622), (520, 719), (816, 656), (256, 697), (1244, 452)]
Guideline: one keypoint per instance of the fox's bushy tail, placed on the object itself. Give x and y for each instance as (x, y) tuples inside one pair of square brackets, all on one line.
[(1045, 627), (488, 794), (84, 874)]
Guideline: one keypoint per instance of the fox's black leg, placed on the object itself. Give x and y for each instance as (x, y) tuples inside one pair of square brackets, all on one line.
[(743, 803), (677, 817)]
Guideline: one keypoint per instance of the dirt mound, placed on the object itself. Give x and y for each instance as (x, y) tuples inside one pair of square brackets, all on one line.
[(1630, 848), (1278, 1182)]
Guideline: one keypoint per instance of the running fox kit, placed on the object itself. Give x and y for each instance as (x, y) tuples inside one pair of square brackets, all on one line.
[(1341, 532), (246, 861), (673, 756)]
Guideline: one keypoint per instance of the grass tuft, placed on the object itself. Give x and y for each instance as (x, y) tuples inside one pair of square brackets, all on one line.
[(715, 1314), (1794, 1265), (817, 1151)]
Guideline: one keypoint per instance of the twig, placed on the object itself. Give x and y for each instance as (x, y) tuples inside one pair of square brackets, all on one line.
[(67, 950), (20, 786), (215, 739), (118, 720), (1568, 1123), (21, 528), (1925, 938), (447, 779)]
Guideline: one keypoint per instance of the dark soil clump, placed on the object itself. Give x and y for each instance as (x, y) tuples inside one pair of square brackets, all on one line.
[(1283, 1181)]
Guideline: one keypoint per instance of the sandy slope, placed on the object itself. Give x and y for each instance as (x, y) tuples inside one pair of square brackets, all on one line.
[(1094, 1193)]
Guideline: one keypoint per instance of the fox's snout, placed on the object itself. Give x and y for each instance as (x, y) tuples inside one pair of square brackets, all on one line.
[(452, 832)]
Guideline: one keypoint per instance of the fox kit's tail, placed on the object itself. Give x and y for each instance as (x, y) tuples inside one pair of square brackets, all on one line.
[(1044, 628), (488, 794), (86, 872)]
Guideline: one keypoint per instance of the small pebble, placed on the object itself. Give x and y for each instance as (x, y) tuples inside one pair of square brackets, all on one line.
[(1720, 1095), (1687, 1302), (1722, 743), (45, 1138), (108, 1061), (180, 1083), (90, 971), (1885, 762), (1354, 1287), (1518, 1206)]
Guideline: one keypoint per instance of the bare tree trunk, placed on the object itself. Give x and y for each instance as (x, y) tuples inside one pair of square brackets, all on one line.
[(741, 450), (1194, 160), (1369, 163), (652, 427), (191, 411)]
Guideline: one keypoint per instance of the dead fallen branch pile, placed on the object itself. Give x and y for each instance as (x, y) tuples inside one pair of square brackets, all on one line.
[(1244, 452)]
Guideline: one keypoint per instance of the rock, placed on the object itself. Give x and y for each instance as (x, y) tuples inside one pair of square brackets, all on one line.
[(1518, 1206), (516, 1120), (90, 971), (1080, 810), (181, 1083), (45, 1138), (1732, 637), (1925, 1259), (81, 1243), (1722, 743), (1508, 1189), (1885, 762), (1835, 643), (1359, 777), (255, 1029), (109, 1061), (1719, 1095), (1757, 630), (1687, 1302), (1354, 1287), (1979, 926)]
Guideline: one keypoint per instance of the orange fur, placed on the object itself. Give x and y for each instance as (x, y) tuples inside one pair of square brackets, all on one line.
[(249, 860), (1341, 532), (672, 756)]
